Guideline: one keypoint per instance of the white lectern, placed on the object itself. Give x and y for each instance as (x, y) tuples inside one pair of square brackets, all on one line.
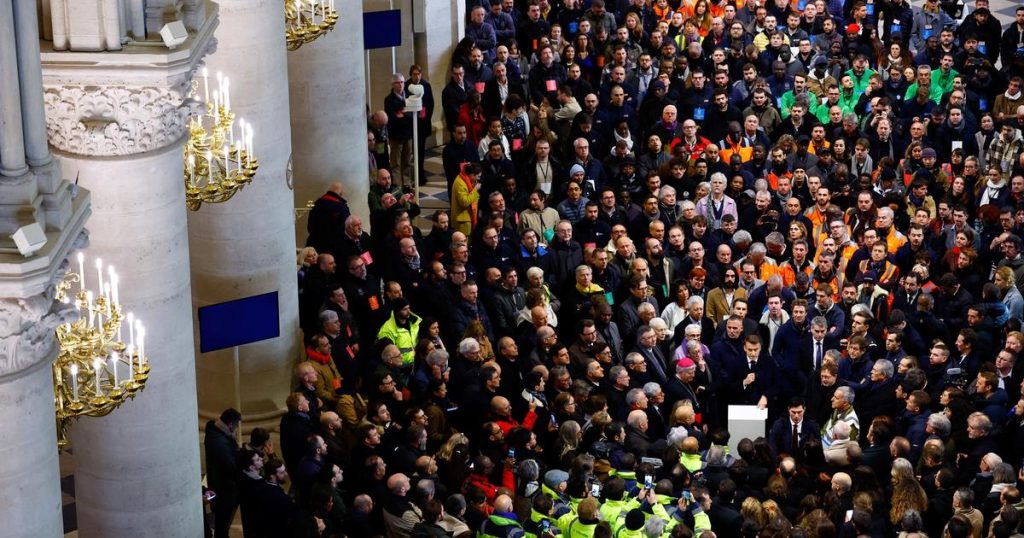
[(745, 421)]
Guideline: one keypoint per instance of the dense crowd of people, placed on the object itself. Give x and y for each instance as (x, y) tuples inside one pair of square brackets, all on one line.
[(661, 209)]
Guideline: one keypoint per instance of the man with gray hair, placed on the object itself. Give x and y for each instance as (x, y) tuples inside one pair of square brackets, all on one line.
[(879, 395), (657, 425), (435, 369), (842, 411), (399, 131), (637, 440)]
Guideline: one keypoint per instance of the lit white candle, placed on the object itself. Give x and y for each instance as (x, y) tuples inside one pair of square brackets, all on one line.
[(115, 295), (97, 364), (206, 85), (142, 345), (248, 141), (332, 6), (216, 107), (113, 367), (220, 82), (130, 320), (88, 304), (81, 272), (99, 273), (227, 94), (74, 382), (112, 282), (209, 165)]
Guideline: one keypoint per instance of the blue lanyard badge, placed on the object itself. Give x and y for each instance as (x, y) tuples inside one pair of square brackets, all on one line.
[(698, 113)]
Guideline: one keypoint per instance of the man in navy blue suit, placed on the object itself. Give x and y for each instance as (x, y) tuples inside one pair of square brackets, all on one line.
[(753, 381), (781, 437)]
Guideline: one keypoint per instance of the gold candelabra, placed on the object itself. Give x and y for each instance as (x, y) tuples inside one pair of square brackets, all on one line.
[(96, 371), (308, 20), (218, 157)]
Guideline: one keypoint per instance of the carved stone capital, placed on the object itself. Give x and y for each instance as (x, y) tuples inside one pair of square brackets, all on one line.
[(114, 120), (27, 334), (110, 104)]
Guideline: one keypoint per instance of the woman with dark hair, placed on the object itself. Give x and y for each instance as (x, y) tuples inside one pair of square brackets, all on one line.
[(473, 116)]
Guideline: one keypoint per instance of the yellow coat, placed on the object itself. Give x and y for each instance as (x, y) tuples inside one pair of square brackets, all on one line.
[(464, 202)]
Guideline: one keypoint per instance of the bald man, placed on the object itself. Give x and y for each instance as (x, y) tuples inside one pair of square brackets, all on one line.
[(502, 522), (400, 516)]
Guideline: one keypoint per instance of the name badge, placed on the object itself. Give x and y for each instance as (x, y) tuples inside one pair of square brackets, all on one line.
[(982, 47), (551, 85), (698, 113), (871, 8), (367, 257), (517, 144), (573, 26), (957, 144), (608, 297), (927, 32), (982, 104), (479, 87)]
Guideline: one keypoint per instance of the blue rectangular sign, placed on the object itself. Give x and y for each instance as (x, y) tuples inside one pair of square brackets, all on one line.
[(382, 29), (239, 322)]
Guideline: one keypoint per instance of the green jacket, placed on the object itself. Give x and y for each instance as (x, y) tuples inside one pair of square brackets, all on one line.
[(788, 98), (691, 462), (934, 92), (373, 198), (404, 338), (498, 526), (533, 525), (574, 527), (614, 512), (860, 84)]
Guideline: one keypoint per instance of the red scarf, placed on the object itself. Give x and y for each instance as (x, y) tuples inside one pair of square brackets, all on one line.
[(315, 355)]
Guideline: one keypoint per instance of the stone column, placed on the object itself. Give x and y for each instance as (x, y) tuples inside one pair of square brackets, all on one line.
[(30, 498), (31, 83), (326, 85), (246, 246), (12, 145), (137, 470)]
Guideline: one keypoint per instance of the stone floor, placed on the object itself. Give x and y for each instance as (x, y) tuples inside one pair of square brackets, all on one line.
[(433, 196)]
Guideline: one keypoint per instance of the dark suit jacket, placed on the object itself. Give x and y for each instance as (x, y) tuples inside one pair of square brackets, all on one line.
[(780, 437), (765, 382), (659, 372)]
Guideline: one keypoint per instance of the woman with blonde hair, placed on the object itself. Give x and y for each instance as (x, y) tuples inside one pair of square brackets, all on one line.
[(307, 258), (753, 510), (907, 493), (476, 331), (567, 444)]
